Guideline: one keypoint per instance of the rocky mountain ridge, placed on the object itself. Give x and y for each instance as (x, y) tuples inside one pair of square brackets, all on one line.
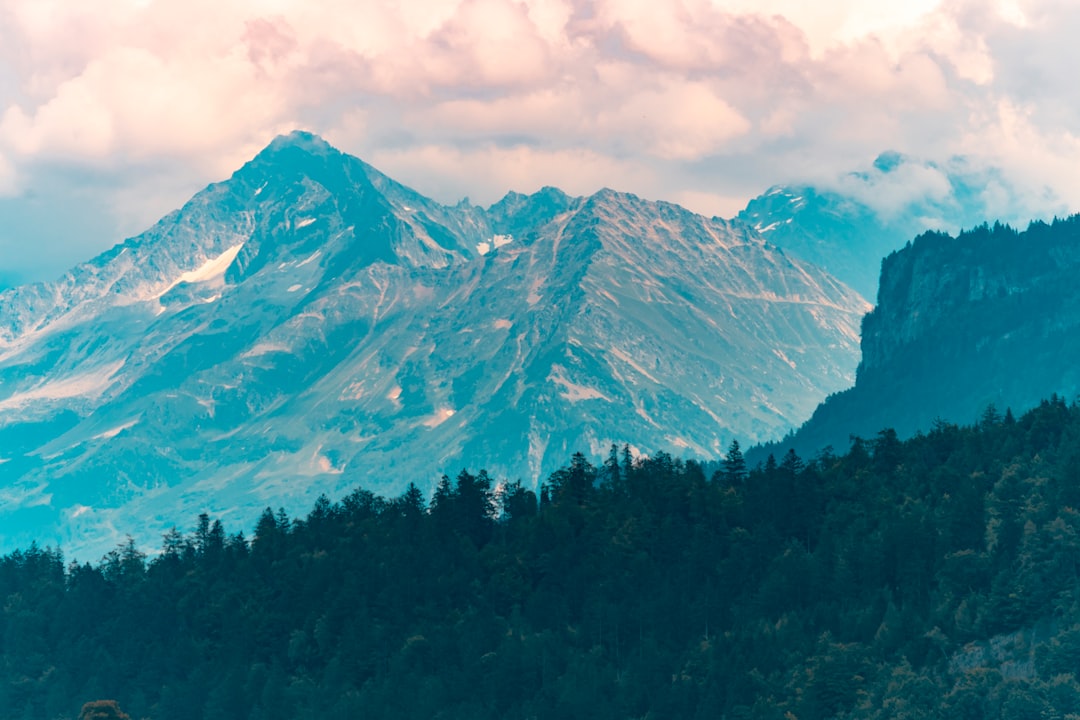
[(310, 325)]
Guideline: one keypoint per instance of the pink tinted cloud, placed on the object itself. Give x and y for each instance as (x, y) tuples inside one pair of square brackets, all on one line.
[(746, 90)]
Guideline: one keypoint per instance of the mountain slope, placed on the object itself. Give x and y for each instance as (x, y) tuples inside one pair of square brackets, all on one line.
[(310, 319), (990, 317)]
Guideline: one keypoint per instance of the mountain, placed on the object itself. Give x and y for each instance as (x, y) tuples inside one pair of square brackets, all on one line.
[(848, 225), (310, 325), (990, 317)]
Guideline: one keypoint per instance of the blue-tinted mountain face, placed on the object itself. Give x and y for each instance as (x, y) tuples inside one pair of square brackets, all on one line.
[(849, 226), (988, 318), (309, 325)]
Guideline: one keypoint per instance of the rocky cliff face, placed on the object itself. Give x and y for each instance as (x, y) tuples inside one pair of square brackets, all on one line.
[(1009, 278), (309, 326), (990, 317)]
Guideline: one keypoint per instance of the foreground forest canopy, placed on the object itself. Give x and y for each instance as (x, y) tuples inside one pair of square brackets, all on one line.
[(932, 578)]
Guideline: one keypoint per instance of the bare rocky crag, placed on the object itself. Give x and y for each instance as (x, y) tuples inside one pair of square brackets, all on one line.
[(310, 325)]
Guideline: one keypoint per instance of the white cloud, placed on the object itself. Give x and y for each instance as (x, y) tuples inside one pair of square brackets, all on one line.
[(437, 171), (891, 192), (678, 120), (709, 100), (1034, 160)]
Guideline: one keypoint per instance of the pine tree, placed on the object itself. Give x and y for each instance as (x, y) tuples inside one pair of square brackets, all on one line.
[(473, 505), (518, 502), (733, 472), (266, 527), (611, 467), (411, 503)]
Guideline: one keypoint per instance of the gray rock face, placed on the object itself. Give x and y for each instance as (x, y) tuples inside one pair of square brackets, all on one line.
[(990, 317), (309, 325)]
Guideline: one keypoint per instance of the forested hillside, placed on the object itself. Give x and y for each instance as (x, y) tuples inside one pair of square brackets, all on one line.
[(935, 577), (991, 316)]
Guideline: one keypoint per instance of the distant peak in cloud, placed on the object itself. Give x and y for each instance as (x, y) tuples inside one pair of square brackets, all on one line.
[(956, 192), (889, 161)]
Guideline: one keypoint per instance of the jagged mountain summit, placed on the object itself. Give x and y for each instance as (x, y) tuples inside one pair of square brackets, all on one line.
[(849, 226), (310, 325), (986, 320)]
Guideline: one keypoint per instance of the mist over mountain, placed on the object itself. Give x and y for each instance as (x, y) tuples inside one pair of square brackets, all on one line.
[(308, 320), (848, 225)]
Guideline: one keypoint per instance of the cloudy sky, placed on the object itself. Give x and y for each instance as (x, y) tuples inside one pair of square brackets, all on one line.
[(114, 112)]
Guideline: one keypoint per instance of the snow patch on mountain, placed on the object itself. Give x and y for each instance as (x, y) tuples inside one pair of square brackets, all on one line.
[(573, 392), (626, 359), (113, 432), (440, 416), (210, 270), (265, 348), (310, 258), (90, 384), (780, 354), (494, 242)]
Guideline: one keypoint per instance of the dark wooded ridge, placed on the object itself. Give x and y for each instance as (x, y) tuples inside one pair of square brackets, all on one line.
[(839, 586)]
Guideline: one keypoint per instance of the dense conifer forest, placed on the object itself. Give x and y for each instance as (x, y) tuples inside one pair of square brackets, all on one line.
[(937, 577)]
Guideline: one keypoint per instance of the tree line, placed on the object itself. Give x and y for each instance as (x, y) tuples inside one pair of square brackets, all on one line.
[(932, 577)]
